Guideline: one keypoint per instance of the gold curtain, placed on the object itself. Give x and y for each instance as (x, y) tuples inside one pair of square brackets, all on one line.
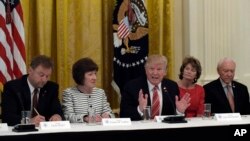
[(161, 30), (67, 30)]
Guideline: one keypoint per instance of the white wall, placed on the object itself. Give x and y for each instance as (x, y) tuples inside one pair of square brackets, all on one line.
[(211, 30)]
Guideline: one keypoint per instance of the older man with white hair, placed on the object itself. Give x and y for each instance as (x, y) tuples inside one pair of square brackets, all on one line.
[(225, 94)]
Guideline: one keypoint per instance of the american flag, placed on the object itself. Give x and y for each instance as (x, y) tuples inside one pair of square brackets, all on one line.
[(12, 49), (123, 28)]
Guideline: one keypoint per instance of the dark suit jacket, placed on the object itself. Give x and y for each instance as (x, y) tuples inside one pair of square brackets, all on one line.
[(215, 94), (130, 94), (16, 97)]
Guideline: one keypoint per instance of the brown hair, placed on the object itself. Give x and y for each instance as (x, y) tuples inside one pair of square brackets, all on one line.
[(81, 67), (42, 60), (194, 63)]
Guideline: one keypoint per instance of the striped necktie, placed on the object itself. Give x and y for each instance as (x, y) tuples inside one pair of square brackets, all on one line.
[(35, 102), (156, 103), (230, 98)]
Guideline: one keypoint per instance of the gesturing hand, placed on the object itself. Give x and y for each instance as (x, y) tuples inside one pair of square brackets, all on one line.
[(183, 103), (143, 100)]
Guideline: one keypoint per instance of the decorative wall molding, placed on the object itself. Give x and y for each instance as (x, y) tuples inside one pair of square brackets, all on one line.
[(214, 29)]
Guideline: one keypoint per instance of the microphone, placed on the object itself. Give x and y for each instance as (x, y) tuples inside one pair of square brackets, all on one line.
[(20, 100), (23, 127), (173, 118), (170, 99)]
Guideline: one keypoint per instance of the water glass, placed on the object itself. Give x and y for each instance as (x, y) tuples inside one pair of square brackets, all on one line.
[(26, 117), (147, 113), (207, 111), (91, 116)]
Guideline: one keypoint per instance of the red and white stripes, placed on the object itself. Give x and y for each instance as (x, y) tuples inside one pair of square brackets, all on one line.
[(123, 28), (12, 49)]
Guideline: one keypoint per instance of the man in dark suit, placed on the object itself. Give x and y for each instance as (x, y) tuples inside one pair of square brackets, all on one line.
[(225, 94), (139, 93), (18, 95)]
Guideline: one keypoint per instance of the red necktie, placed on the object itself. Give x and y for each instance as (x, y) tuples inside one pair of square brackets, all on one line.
[(35, 102), (156, 103), (230, 98)]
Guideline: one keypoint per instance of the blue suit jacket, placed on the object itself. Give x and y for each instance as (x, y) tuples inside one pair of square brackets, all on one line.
[(215, 94), (130, 94), (17, 97)]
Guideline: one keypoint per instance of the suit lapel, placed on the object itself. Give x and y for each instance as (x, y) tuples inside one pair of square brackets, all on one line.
[(41, 100), (168, 99), (146, 89), (26, 94), (235, 90), (222, 95)]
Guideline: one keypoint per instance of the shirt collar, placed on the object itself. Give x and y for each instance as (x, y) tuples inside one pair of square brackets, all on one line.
[(224, 84), (151, 86), (31, 87)]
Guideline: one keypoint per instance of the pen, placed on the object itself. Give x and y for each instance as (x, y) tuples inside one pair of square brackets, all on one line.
[(36, 111)]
